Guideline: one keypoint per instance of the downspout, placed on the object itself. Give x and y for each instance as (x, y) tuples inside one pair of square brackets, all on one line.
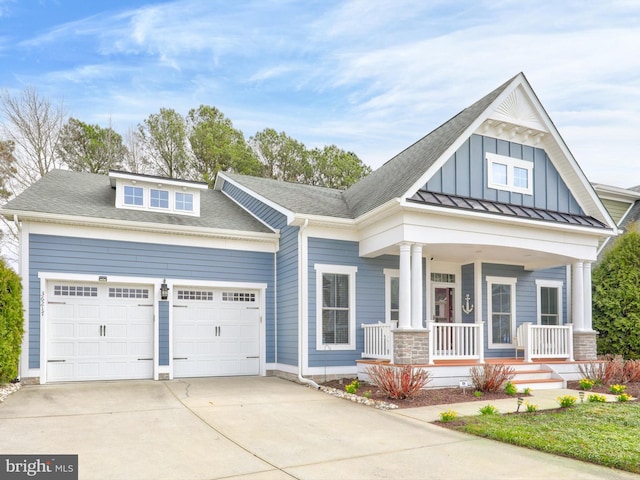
[(301, 340)]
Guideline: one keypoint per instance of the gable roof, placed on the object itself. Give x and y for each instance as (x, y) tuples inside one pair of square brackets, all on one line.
[(80, 194), (295, 197), (396, 177)]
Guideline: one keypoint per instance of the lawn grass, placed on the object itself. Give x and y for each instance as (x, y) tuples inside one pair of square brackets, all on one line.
[(602, 433)]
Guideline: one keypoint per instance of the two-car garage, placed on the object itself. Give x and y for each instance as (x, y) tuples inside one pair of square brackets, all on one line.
[(107, 331)]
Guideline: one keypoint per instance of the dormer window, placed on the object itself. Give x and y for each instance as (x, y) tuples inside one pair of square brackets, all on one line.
[(159, 198), (133, 195), (154, 194), (510, 174), (184, 201)]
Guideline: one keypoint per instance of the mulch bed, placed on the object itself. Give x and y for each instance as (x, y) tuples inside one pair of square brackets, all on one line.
[(431, 396), (632, 389), (444, 396)]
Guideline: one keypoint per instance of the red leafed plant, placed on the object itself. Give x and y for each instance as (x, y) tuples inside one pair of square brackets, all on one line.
[(490, 377), (631, 371), (398, 382)]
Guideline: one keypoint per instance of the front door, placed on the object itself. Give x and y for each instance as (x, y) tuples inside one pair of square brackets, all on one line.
[(443, 301)]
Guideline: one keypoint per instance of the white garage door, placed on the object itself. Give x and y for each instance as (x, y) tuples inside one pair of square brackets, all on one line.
[(216, 332), (99, 331)]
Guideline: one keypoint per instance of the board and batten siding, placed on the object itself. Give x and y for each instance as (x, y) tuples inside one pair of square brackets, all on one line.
[(370, 298), (51, 253), (526, 296), (465, 174)]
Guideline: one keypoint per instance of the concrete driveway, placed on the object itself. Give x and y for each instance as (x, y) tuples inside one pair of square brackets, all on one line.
[(253, 428)]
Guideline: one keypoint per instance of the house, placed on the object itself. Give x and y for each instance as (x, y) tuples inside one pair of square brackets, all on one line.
[(472, 243), (623, 204)]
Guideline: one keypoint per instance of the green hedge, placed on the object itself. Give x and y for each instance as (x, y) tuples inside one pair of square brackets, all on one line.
[(11, 322), (616, 298)]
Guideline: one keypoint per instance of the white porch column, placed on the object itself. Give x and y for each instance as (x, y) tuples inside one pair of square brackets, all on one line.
[(404, 315), (577, 300), (416, 286), (587, 323)]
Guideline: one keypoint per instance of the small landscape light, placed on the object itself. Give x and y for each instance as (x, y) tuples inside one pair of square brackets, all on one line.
[(581, 393), (520, 400)]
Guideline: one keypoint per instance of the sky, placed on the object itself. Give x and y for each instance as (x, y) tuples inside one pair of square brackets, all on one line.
[(369, 76)]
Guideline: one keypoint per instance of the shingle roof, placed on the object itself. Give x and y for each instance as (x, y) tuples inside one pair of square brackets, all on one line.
[(395, 177), (63, 192), (296, 197)]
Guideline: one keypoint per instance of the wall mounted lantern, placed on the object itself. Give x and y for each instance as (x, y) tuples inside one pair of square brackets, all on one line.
[(164, 290)]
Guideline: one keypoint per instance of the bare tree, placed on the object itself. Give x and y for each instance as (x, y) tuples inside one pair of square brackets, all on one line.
[(33, 123), (135, 160)]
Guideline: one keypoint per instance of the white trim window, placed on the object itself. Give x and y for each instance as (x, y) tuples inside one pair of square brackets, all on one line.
[(159, 198), (133, 196), (391, 295), (184, 201), (335, 307), (501, 311), (549, 304), (510, 174)]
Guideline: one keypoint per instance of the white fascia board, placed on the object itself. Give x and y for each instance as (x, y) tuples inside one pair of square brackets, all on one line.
[(106, 232), (150, 179), (438, 164), (616, 193), (449, 211), (221, 178)]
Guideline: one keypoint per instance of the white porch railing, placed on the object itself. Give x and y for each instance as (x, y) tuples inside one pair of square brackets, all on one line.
[(377, 341), (456, 341), (545, 341)]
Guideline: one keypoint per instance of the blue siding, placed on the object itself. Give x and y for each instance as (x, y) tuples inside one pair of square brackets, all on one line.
[(468, 289), (526, 296), (286, 350), (465, 174), (163, 333), (264, 212), (369, 295), (49, 253), (287, 313)]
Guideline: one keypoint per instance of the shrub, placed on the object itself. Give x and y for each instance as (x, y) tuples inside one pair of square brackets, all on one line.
[(617, 389), (448, 416), (616, 310), (352, 387), (624, 397), (510, 389), (490, 377), (398, 382), (368, 394), (586, 383), (477, 393), (526, 391), (631, 371), (596, 398), (531, 408), (11, 323), (567, 401), (489, 410)]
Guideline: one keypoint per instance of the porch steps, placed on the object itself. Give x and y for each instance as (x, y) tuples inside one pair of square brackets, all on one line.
[(536, 376)]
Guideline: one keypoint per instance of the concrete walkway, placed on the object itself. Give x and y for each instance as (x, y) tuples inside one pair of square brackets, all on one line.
[(259, 429)]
